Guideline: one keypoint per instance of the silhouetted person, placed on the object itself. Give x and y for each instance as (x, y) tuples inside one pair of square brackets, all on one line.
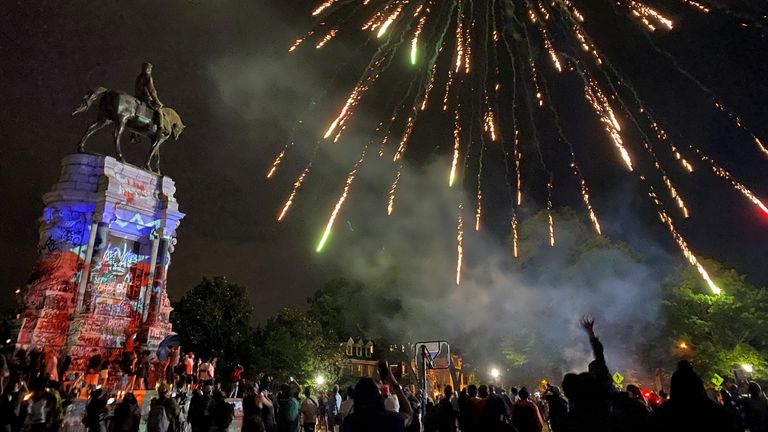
[(689, 408), (127, 415), (466, 411), (444, 418), (755, 409), (222, 412), (252, 404), (589, 393), (558, 408), (287, 410), (630, 411), (369, 414), (96, 412), (199, 416), (526, 417)]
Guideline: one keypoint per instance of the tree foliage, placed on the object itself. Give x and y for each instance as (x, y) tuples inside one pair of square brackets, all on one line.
[(213, 320), (720, 333), (295, 344)]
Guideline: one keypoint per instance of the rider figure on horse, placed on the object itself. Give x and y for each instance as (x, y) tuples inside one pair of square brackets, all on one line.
[(145, 87), (145, 91)]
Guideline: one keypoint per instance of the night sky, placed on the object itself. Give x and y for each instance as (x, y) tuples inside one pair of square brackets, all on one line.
[(224, 66)]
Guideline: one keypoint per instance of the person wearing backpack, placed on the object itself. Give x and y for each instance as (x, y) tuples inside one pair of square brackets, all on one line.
[(309, 410), (287, 410), (163, 412)]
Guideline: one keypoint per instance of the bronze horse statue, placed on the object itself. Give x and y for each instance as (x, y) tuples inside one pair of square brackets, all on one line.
[(128, 112)]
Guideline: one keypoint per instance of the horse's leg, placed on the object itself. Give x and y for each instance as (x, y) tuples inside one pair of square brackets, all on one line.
[(118, 132), (97, 125), (155, 152)]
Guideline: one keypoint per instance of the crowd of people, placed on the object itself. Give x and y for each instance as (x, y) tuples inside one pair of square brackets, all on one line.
[(189, 398)]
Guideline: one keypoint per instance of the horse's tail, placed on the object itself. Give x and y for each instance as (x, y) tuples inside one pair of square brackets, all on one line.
[(89, 99)]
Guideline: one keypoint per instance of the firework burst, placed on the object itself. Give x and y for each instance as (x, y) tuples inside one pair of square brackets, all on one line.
[(492, 59)]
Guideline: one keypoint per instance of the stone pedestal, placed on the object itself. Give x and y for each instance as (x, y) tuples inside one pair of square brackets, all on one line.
[(106, 237)]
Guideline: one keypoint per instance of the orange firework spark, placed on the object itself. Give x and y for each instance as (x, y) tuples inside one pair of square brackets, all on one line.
[(448, 84), (585, 195), (550, 218), (647, 15), (299, 41), (430, 85), (459, 244), (296, 185), (723, 173), (350, 179), (605, 113), (327, 38), (696, 5), (535, 81), (275, 164), (682, 244), (456, 147), (488, 119), (323, 6), (518, 156), (393, 191), (737, 120), (515, 237)]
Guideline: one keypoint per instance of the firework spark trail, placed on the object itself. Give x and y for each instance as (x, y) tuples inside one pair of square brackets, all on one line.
[(757, 21), (723, 173), (393, 190), (300, 40), (719, 104), (515, 238), (514, 197), (430, 86), (377, 65), (456, 146), (716, 168), (391, 19), (517, 154), (330, 35), (673, 192), (350, 179), (602, 108), (647, 15), (277, 162), (696, 5), (550, 218), (297, 185), (323, 6), (582, 182), (572, 18), (681, 243), (545, 36), (459, 244)]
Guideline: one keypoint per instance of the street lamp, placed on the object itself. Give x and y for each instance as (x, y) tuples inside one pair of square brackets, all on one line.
[(495, 374), (683, 345), (320, 380), (747, 367)]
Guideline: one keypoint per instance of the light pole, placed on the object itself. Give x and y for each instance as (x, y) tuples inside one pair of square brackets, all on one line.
[(495, 374), (320, 380)]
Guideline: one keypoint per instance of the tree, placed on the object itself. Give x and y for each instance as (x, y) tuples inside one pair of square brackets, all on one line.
[(718, 333), (295, 344), (213, 320)]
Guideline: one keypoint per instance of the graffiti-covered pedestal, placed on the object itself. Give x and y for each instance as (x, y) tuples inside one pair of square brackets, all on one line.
[(106, 238)]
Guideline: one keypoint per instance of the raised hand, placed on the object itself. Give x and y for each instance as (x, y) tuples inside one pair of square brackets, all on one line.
[(588, 324)]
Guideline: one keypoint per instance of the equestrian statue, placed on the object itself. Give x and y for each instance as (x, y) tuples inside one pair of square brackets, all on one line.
[(142, 114)]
